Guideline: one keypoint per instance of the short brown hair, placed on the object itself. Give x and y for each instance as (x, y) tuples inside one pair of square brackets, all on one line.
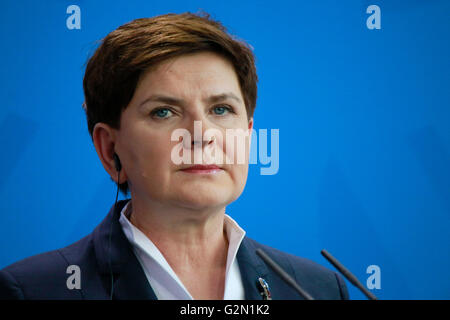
[(113, 71)]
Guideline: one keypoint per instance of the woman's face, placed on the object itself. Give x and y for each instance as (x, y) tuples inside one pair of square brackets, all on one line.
[(201, 87)]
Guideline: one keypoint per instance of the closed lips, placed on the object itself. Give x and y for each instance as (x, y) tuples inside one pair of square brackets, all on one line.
[(202, 167)]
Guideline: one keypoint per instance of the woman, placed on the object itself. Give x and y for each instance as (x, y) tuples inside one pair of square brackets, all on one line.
[(149, 80)]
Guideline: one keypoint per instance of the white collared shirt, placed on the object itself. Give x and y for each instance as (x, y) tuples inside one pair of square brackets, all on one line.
[(163, 280)]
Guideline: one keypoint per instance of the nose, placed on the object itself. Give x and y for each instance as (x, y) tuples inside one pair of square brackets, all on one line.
[(203, 142), (198, 136), (198, 124)]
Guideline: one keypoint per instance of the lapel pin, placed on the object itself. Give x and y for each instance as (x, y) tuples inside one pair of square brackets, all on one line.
[(265, 293)]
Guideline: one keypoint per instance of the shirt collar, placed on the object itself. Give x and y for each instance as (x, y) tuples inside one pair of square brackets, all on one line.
[(142, 243)]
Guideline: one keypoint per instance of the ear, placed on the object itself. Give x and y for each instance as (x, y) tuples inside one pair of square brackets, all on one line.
[(104, 138), (250, 127), (250, 124)]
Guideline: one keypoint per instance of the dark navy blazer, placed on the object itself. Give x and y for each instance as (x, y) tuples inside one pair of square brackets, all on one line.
[(44, 276)]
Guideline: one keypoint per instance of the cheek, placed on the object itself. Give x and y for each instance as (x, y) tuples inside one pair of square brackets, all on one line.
[(236, 148), (148, 155), (238, 175), (236, 151), (151, 168)]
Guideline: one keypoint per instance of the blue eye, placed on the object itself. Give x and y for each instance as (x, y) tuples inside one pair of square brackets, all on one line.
[(160, 113), (221, 110)]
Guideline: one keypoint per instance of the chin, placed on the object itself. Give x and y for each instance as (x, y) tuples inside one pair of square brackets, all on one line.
[(203, 201)]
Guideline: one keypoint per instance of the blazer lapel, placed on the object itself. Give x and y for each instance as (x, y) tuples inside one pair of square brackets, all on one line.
[(129, 280), (251, 268)]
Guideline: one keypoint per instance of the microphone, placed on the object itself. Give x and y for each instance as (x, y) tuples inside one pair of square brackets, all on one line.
[(283, 274), (118, 167), (347, 274)]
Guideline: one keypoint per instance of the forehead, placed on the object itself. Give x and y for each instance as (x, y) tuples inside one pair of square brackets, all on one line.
[(201, 73)]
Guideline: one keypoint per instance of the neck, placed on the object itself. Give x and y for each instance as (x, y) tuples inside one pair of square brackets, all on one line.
[(186, 237)]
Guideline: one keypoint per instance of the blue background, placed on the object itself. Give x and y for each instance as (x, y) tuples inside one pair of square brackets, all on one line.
[(363, 117)]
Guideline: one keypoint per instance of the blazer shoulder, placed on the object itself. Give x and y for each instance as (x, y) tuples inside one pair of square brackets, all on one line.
[(291, 261), (41, 275), (319, 281)]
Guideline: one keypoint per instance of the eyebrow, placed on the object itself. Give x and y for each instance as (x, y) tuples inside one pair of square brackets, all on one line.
[(176, 101)]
